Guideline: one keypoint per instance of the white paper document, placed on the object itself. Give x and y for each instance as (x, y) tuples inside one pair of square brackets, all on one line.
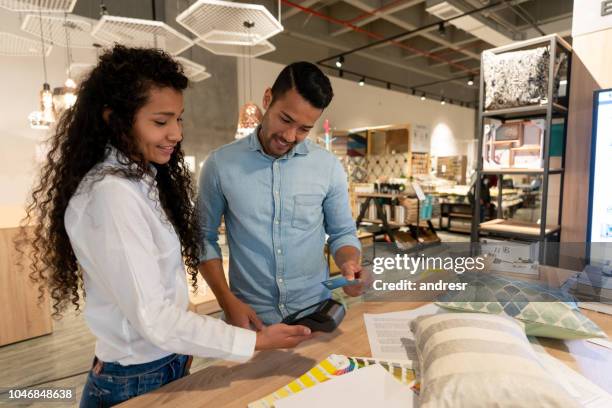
[(588, 394), (388, 332), (367, 387), (601, 342)]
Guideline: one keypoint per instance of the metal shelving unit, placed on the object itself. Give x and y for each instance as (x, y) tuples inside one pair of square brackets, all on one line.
[(544, 231)]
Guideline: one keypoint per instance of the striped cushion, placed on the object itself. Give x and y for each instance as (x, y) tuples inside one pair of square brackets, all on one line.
[(481, 360)]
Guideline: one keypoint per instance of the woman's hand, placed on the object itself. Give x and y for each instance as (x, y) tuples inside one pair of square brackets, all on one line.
[(281, 336)]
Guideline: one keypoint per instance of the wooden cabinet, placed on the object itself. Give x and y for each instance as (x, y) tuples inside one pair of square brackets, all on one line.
[(23, 316)]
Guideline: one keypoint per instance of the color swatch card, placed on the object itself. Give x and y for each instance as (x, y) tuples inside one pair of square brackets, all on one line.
[(333, 366)]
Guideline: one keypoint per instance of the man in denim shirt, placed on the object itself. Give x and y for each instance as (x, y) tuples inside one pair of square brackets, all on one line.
[(280, 194)]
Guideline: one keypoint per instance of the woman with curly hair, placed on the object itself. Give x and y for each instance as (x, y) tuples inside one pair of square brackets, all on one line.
[(114, 217)]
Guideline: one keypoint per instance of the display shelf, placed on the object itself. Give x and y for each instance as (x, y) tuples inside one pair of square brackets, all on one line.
[(521, 171), (379, 221), (517, 228), (529, 153), (525, 112)]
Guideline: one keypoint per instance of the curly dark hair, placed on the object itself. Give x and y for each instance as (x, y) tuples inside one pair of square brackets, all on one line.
[(120, 83)]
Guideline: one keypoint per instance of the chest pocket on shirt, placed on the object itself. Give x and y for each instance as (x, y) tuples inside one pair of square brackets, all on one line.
[(307, 211)]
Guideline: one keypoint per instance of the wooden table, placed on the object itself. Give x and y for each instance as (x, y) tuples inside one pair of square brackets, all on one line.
[(235, 385), (23, 316)]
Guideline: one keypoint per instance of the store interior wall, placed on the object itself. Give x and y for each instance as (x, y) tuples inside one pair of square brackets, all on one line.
[(21, 79), (451, 127), (211, 108), (591, 61)]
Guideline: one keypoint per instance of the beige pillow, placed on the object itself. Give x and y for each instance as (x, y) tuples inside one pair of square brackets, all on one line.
[(481, 360)]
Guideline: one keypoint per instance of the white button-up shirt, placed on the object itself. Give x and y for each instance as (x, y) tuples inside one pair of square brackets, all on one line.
[(134, 276)]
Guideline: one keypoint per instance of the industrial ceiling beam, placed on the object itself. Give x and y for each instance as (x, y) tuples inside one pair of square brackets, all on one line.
[(376, 14)]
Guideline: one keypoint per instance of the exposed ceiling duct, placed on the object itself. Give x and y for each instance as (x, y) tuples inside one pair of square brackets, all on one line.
[(475, 24)]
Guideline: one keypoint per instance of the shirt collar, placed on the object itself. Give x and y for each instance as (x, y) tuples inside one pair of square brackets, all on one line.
[(116, 158), (255, 145)]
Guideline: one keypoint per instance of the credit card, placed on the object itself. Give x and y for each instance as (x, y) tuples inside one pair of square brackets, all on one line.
[(335, 283)]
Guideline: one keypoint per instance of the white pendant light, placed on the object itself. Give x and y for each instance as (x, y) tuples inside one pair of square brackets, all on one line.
[(205, 17), (12, 45), (250, 115), (65, 97), (44, 118), (231, 50), (56, 27), (193, 71), (135, 32), (48, 6)]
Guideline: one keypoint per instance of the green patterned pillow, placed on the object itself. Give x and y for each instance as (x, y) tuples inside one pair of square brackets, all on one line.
[(545, 312)]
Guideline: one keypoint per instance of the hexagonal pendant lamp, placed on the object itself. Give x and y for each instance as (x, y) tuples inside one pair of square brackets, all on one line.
[(226, 28), (136, 32)]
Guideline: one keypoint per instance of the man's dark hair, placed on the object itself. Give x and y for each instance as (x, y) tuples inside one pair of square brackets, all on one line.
[(308, 80)]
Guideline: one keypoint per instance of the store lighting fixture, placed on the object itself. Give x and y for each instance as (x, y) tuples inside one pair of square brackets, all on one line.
[(222, 22), (470, 81), (65, 97), (362, 81), (423, 97), (56, 27), (250, 115), (442, 29), (134, 32), (193, 71), (442, 101), (47, 6), (340, 61), (43, 118)]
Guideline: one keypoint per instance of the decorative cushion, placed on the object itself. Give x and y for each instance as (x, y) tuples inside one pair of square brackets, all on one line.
[(545, 312), (481, 360), (518, 78)]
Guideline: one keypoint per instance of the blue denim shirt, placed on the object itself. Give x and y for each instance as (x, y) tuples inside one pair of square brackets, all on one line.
[(277, 212)]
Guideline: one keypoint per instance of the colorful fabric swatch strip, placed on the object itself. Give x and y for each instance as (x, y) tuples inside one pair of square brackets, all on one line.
[(333, 366)]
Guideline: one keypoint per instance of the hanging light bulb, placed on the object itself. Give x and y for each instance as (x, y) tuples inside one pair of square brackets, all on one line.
[(43, 118), (248, 120), (340, 61), (65, 97), (70, 96), (250, 115)]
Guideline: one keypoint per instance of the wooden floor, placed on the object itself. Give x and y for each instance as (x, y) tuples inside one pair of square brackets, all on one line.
[(61, 359)]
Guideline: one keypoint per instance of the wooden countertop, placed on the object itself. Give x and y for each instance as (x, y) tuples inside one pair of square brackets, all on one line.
[(516, 227), (236, 385)]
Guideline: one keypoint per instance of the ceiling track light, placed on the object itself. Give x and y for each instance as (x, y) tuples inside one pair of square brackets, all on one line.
[(442, 29), (362, 81), (470, 81), (423, 97), (442, 101), (340, 61)]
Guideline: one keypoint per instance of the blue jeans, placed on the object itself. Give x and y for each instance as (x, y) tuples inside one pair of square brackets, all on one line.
[(109, 384)]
